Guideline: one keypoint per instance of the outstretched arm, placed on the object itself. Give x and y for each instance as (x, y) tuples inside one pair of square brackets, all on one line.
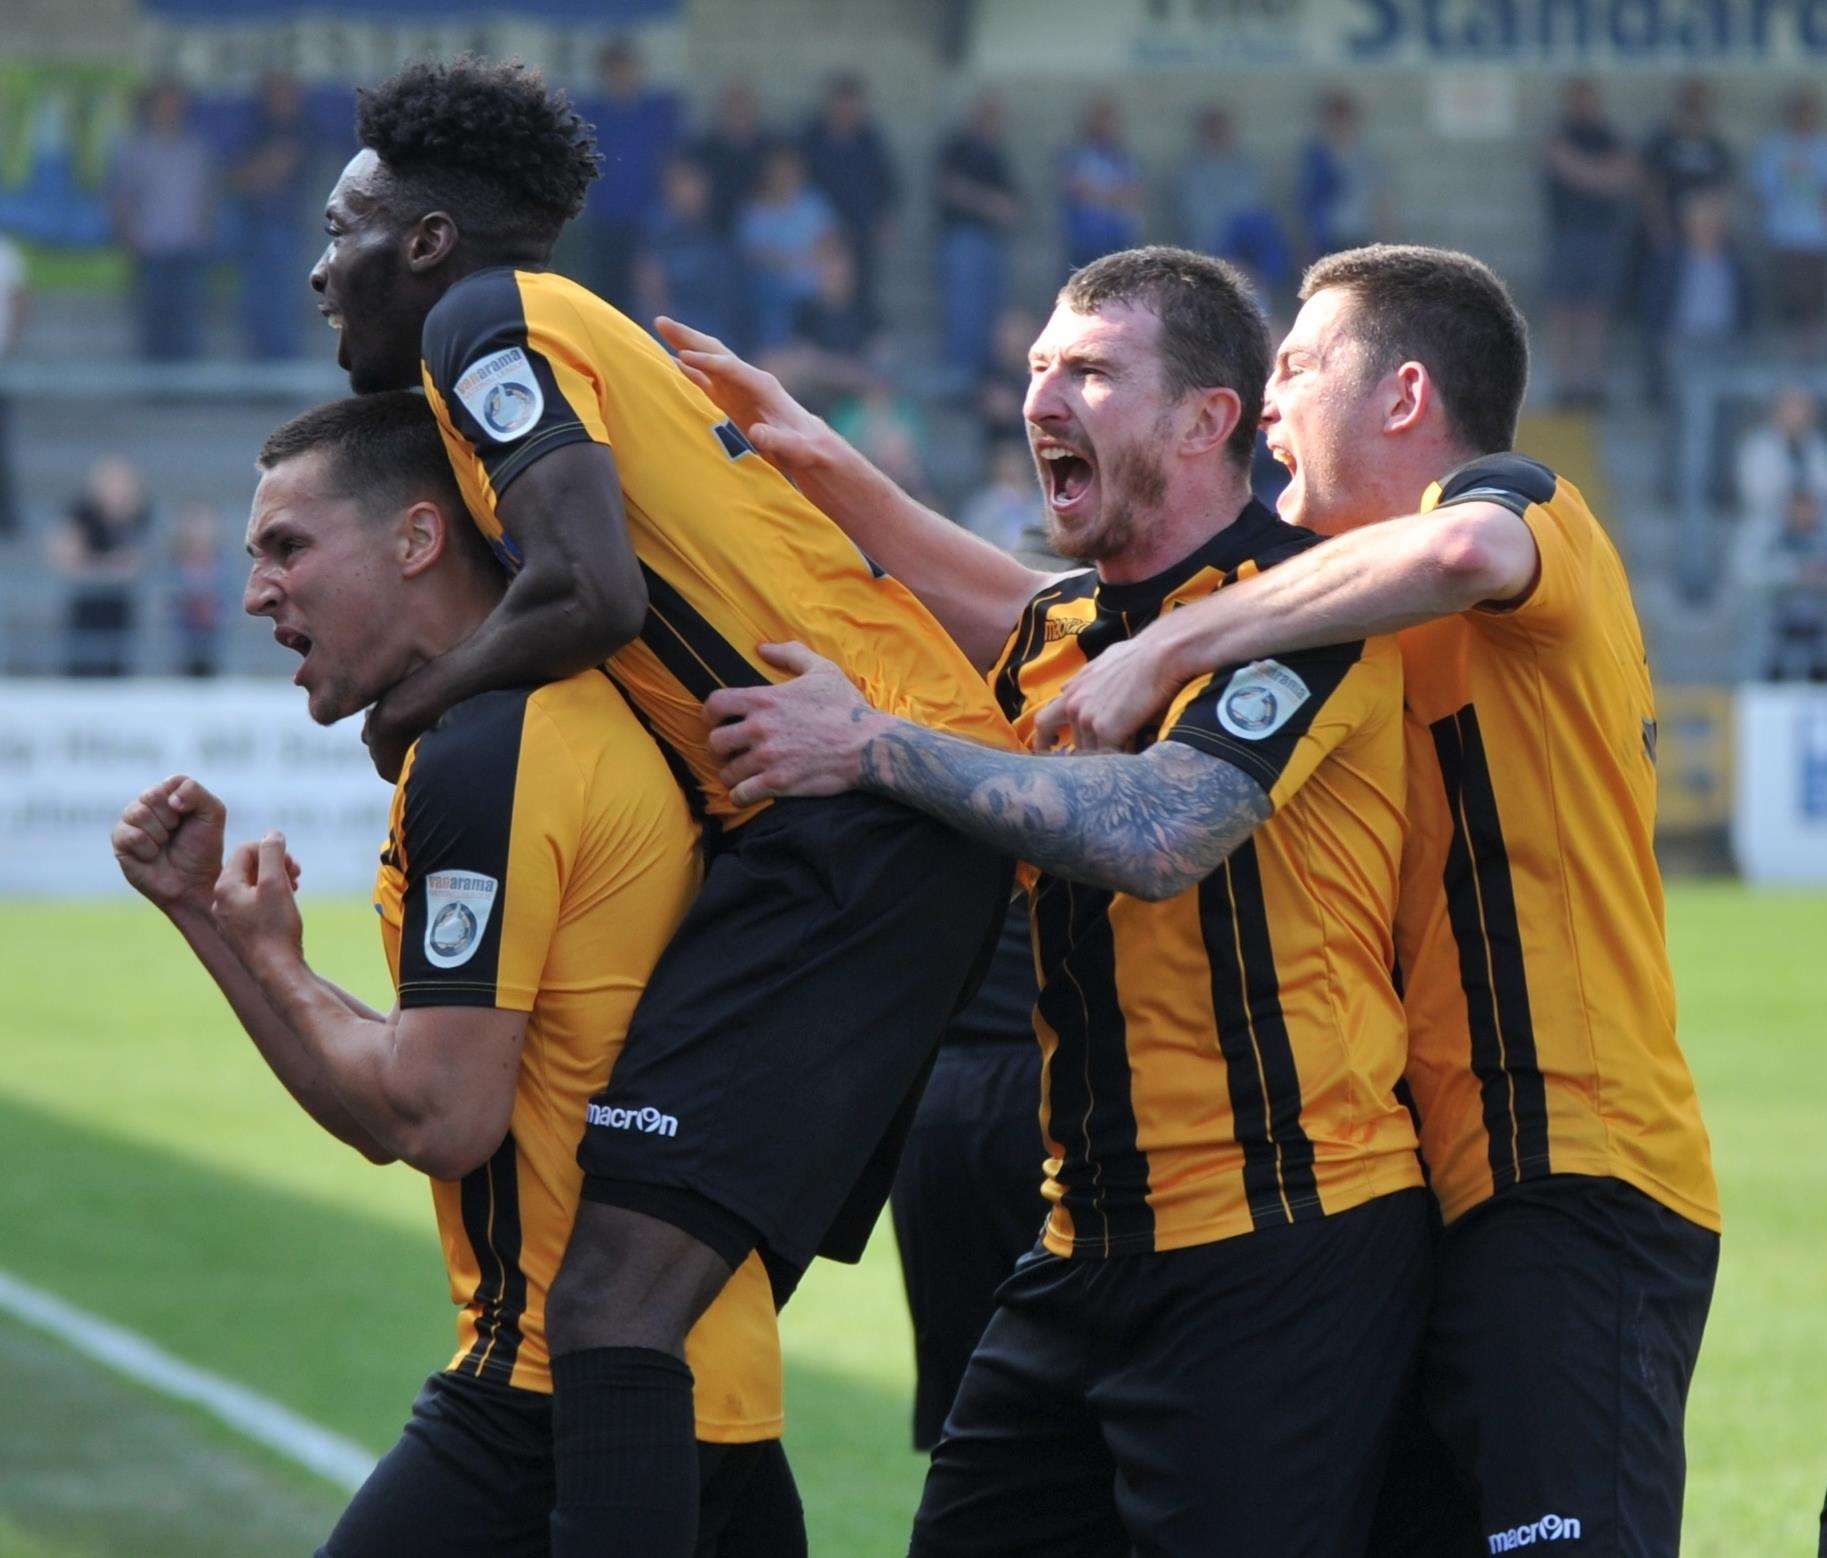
[(578, 597), (976, 590), (1378, 579), (1150, 825)]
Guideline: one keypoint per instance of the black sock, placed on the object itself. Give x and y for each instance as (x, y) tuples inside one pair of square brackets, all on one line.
[(624, 1439)]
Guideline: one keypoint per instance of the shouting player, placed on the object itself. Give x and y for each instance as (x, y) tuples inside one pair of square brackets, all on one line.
[(1558, 1118), (789, 1024), (538, 857), (1205, 1353)]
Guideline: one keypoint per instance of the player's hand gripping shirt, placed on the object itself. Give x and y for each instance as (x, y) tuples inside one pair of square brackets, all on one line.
[(538, 858), (1540, 1005), (1226, 1060), (517, 363)]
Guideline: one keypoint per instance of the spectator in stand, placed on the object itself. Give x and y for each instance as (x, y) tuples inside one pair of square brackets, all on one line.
[(1782, 540), (979, 206), (97, 550), (201, 583), (159, 198), (847, 158), (1223, 205), (1103, 188), (14, 303), (1341, 190), (887, 427), (827, 356), (1591, 190), (1006, 511), (1003, 388), (1697, 296), (733, 152), (687, 266), (1783, 457), (1789, 174), (1687, 156), (782, 232), (636, 131), (271, 184)]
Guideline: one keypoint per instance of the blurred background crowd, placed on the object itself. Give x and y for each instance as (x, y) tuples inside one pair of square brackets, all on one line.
[(891, 252)]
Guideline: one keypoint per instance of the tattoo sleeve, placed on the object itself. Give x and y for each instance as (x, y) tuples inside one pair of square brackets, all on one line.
[(1150, 825)]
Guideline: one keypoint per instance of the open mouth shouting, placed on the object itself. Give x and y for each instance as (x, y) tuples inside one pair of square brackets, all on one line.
[(334, 319), (1067, 473), (299, 644)]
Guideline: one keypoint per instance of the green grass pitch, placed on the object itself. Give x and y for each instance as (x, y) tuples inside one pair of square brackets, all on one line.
[(155, 1174)]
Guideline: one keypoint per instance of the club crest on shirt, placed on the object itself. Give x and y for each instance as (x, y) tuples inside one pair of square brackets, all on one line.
[(1259, 699), (457, 907), (502, 394)]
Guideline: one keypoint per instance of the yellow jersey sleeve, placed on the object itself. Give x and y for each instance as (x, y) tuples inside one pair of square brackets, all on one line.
[(1561, 595), (489, 821), (1276, 719), (515, 384)]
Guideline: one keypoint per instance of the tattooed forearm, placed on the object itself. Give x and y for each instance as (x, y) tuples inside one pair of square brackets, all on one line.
[(1149, 825)]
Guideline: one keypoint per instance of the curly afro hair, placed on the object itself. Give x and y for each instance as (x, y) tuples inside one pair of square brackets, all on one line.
[(487, 141)]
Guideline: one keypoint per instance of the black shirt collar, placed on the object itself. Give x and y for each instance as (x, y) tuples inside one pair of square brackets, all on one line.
[(1228, 548)]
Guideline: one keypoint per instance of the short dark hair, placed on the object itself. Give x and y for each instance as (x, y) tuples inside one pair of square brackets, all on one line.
[(487, 141), (1450, 313), (386, 452), (1213, 334)]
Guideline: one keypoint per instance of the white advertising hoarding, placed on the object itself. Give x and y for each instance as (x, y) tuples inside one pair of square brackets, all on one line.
[(1779, 820), (72, 754)]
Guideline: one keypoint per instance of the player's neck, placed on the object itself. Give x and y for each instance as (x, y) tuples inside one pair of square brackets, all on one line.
[(1185, 521), (448, 612)]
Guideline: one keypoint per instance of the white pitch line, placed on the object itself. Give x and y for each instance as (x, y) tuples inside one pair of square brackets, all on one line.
[(249, 1413)]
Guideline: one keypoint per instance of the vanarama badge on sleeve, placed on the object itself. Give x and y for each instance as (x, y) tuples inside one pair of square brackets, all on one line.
[(1259, 699), (457, 906), (502, 394)]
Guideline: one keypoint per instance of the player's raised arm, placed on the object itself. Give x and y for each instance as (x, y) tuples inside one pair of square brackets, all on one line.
[(168, 844), (976, 590), (433, 1086), (1378, 579)]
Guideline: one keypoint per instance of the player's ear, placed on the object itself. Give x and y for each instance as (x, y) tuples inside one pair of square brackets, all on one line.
[(431, 242), (424, 532), (1213, 420), (1410, 397)]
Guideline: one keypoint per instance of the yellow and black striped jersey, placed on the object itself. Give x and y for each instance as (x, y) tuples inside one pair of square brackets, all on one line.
[(1226, 1060), (1541, 1007), (517, 363), (539, 857)]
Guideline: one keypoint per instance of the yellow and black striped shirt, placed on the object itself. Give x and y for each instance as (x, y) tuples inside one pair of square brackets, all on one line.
[(1226, 1060), (517, 363), (1541, 1008), (539, 857)]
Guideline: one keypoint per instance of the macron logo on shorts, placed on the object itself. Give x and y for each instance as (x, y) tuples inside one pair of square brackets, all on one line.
[(1550, 1528), (649, 1121)]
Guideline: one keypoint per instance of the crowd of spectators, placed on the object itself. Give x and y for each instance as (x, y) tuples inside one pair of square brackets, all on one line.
[(772, 234)]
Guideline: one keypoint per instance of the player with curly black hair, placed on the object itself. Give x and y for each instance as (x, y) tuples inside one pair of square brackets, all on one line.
[(772, 1066)]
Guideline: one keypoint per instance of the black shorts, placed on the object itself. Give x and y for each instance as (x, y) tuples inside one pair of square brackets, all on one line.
[(975, 1144), (774, 1062), (1566, 1322), (1233, 1397), (472, 1477)]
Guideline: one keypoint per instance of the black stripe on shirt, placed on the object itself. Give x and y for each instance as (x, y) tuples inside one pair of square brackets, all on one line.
[(490, 1197), (699, 658), (1090, 1111), (1264, 1082), (1481, 905)]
